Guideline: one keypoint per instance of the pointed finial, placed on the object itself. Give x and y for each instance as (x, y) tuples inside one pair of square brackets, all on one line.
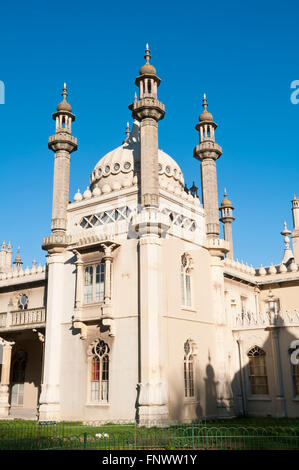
[(225, 193), (64, 92), (147, 53), (135, 97), (204, 102)]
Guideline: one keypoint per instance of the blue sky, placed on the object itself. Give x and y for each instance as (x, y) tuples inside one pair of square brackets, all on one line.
[(242, 55)]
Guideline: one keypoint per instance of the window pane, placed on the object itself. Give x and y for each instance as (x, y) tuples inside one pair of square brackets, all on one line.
[(188, 290), (183, 288), (100, 276), (88, 284)]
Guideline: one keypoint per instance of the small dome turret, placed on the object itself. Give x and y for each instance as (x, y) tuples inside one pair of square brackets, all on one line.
[(147, 69), (64, 105), (226, 202), (205, 115)]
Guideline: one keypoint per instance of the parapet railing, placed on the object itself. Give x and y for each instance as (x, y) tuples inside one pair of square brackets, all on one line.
[(30, 316), (247, 319)]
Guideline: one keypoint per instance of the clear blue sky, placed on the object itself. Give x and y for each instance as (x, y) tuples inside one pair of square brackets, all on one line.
[(243, 55)]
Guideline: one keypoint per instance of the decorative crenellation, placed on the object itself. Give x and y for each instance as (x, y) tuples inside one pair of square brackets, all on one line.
[(247, 319), (262, 270), (23, 272)]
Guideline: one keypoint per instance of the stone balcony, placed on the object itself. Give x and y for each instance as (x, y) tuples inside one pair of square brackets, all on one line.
[(23, 319), (251, 320)]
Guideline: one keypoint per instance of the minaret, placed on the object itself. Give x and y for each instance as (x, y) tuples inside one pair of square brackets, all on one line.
[(295, 233), (150, 224), (226, 210), (63, 144), (148, 110), (18, 261), (207, 152)]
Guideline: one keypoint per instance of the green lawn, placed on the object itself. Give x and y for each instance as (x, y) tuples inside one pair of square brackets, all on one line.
[(239, 433)]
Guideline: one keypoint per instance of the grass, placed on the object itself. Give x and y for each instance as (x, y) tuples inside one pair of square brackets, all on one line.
[(239, 433)]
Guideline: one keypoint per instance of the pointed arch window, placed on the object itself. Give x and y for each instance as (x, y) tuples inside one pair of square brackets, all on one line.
[(258, 371), (188, 370), (186, 268), (99, 389)]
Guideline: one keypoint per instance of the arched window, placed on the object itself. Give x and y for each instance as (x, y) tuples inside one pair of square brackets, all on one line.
[(23, 302), (186, 280), (100, 372), (188, 369), (258, 371), (88, 281), (18, 378)]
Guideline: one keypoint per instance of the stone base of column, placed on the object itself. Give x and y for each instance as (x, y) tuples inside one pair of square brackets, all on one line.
[(49, 408), (153, 406), (49, 412), (4, 401), (280, 407)]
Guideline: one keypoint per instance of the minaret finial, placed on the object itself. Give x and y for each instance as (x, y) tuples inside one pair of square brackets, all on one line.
[(128, 129), (204, 102), (64, 92), (147, 53), (288, 254)]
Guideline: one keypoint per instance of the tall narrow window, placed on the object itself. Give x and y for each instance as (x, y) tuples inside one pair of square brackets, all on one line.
[(100, 277), (186, 281), (258, 371), (188, 370), (88, 284), (100, 372)]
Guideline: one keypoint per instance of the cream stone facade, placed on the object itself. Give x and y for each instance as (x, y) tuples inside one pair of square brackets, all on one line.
[(141, 311)]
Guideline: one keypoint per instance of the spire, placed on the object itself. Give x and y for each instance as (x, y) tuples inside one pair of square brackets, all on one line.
[(288, 254), (64, 105), (147, 53), (18, 260)]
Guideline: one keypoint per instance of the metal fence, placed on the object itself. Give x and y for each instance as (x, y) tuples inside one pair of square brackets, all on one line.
[(130, 436)]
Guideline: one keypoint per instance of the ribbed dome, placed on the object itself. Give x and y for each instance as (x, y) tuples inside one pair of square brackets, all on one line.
[(120, 168)]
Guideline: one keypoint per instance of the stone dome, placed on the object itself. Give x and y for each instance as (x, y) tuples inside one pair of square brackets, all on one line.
[(226, 202), (147, 69), (64, 106), (205, 116), (120, 168)]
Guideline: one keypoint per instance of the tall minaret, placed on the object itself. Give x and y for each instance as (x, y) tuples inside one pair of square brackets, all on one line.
[(207, 152), (295, 233), (148, 110), (150, 224), (63, 144), (226, 210)]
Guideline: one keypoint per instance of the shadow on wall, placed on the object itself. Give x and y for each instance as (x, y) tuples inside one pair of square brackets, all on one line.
[(268, 373), (220, 397)]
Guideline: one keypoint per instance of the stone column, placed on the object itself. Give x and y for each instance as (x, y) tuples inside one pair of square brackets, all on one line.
[(5, 378), (149, 162), (280, 397), (210, 196), (79, 282), (60, 189), (50, 395), (153, 399)]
